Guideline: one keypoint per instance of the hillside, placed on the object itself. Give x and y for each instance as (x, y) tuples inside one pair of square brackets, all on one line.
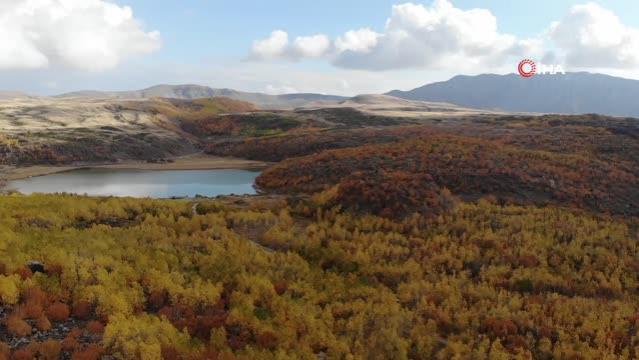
[(10, 95), (376, 237), (227, 279), (189, 92), (391, 106), (66, 130), (319, 180), (572, 93), (396, 179)]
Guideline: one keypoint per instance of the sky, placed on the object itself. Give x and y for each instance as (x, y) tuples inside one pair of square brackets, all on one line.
[(342, 47)]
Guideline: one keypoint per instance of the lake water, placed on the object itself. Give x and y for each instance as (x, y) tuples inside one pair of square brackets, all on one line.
[(141, 183)]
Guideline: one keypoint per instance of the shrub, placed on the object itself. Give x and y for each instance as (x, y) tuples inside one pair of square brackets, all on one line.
[(22, 354), (75, 332), (50, 350), (34, 295), (267, 340), (280, 287), (82, 310), (9, 293), (524, 285), (69, 343), (31, 310), (54, 270), (91, 352), (58, 312), (205, 324), (95, 327), (528, 261), (17, 326), (34, 347), (262, 313), (157, 299), (131, 336), (24, 273), (500, 327), (179, 315), (43, 323), (170, 353), (5, 350), (210, 354)]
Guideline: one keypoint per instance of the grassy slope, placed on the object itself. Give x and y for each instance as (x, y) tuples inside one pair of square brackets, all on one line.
[(107, 132)]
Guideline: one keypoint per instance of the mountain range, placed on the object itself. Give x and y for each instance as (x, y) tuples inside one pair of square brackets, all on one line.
[(570, 93), (189, 92)]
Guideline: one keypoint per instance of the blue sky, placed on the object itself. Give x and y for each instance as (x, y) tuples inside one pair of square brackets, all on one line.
[(202, 28), (209, 41), (191, 21)]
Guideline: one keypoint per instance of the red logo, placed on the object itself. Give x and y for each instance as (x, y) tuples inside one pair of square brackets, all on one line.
[(527, 68)]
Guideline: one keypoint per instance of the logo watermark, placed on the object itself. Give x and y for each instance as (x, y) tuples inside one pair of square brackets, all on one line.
[(527, 68)]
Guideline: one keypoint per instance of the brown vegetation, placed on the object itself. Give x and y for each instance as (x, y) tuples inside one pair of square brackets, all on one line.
[(407, 176), (16, 326), (58, 312)]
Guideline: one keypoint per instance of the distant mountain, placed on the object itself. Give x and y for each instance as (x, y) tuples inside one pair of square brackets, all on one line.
[(572, 93), (10, 95), (198, 91), (388, 101)]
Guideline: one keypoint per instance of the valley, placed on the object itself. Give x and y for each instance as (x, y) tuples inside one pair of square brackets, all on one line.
[(382, 228), (47, 134), (319, 180)]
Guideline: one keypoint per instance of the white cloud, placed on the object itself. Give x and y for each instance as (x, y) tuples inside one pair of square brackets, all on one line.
[(311, 46), (360, 41), (272, 47), (440, 36), (222, 73), (277, 46), (90, 35), (592, 36), (416, 36)]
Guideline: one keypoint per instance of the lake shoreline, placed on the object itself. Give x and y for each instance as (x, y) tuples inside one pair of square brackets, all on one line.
[(189, 162)]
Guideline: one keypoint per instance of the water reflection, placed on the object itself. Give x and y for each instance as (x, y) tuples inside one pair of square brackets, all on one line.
[(142, 183)]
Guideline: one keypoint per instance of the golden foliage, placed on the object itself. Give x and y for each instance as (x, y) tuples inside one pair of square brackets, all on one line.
[(478, 281), (142, 337), (9, 291)]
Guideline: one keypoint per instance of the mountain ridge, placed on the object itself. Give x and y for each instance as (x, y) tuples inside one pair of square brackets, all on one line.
[(570, 93), (192, 91)]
